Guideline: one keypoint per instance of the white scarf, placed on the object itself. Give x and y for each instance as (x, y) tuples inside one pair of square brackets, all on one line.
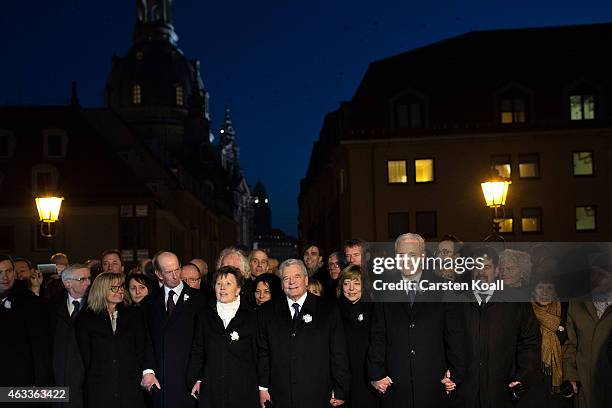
[(227, 311)]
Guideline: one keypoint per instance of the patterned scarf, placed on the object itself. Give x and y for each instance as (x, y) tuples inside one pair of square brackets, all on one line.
[(549, 317)]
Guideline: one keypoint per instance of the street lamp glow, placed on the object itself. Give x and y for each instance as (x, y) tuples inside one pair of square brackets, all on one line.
[(495, 191), (49, 208)]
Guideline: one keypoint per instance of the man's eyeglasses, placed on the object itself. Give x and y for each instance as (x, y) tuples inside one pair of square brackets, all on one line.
[(193, 280), (84, 278), (116, 289)]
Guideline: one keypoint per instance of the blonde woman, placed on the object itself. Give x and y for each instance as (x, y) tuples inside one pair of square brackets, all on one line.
[(112, 340)]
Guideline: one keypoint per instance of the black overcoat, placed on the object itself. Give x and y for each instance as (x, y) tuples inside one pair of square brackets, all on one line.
[(356, 320), (301, 365), (226, 367), (68, 370), (112, 361), (414, 345), (169, 347), (503, 343)]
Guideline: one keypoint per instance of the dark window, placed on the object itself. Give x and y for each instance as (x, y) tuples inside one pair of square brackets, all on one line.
[(44, 182), (529, 165), (55, 145), (531, 220), (42, 243), (426, 224), (7, 238), (409, 115), (399, 223)]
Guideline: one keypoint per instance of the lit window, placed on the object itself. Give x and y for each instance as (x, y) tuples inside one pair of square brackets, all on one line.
[(396, 171), (513, 111), (531, 220), (424, 170), (583, 163), (582, 107), (506, 221), (586, 218), (136, 95), (529, 166), (502, 163), (180, 101)]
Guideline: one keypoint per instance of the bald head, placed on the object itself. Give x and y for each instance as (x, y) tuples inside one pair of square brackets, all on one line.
[(167, 268)]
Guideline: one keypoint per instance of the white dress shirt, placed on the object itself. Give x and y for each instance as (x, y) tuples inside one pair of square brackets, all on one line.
[(300, 302), (71, 305), (483, 295), (177, 293)]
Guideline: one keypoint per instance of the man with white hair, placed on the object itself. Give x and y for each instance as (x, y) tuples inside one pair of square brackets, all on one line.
[(232, 256), (302, 355), (416, 343)]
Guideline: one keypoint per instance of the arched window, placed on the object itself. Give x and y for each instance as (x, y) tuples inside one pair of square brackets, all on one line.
[(136, 95), (7, 144), (55, 143), (44, 179), (180, 99), (514, 103), (409, 110)]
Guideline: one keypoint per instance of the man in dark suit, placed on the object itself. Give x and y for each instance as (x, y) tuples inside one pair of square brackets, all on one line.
[(170, 317), (68, 367), (503, 342), (415, 339), (25, 333), (302, 360)]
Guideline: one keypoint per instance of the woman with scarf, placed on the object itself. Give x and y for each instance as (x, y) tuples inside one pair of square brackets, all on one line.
[(551, 315), (222, 367)]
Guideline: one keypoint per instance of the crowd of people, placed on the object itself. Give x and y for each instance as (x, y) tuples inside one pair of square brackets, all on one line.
[(305, 333)]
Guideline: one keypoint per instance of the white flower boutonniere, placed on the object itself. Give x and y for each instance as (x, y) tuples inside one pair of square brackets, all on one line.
[(186, 297), (360, 317), (234, 336), (7, 304), (307, 318)]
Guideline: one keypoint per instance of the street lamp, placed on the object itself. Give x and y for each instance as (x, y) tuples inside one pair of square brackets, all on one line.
[(48, 212), (495, 191)]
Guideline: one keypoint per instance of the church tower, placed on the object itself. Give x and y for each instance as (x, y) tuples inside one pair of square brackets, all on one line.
[(261, 208), (230, 152), (154, 87)]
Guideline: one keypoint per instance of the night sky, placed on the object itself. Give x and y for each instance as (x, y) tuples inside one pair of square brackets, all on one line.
[(279, 65)]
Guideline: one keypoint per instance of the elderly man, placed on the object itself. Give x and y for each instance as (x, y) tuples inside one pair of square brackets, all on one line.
[(111, 261), (301, 347), (502, 341), (232, 256), (190, 274), (25, 340), (67, 363), (416, 341), (202, 267), (170, 316)]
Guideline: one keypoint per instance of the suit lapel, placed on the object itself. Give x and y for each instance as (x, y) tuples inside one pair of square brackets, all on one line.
[(309, 308), (282, 311), (590, 307)]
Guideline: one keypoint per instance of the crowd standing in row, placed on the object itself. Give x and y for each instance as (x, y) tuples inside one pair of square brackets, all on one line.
[(302, 334)]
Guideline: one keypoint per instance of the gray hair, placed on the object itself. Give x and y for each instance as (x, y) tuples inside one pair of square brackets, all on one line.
[(520, 258), (245, 268), (291, 262), (68, 273), (409, 237)]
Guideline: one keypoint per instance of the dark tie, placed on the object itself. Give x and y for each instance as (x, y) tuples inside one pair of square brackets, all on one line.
[(170, 303), (75, 311), (296, 314)]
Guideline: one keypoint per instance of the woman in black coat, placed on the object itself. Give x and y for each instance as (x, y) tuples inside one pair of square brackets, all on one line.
[(223, 367), (356, 317), (112, 340)]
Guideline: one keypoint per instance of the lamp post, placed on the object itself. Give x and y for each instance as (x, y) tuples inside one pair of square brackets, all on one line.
[(495, 191), (48, 212)]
